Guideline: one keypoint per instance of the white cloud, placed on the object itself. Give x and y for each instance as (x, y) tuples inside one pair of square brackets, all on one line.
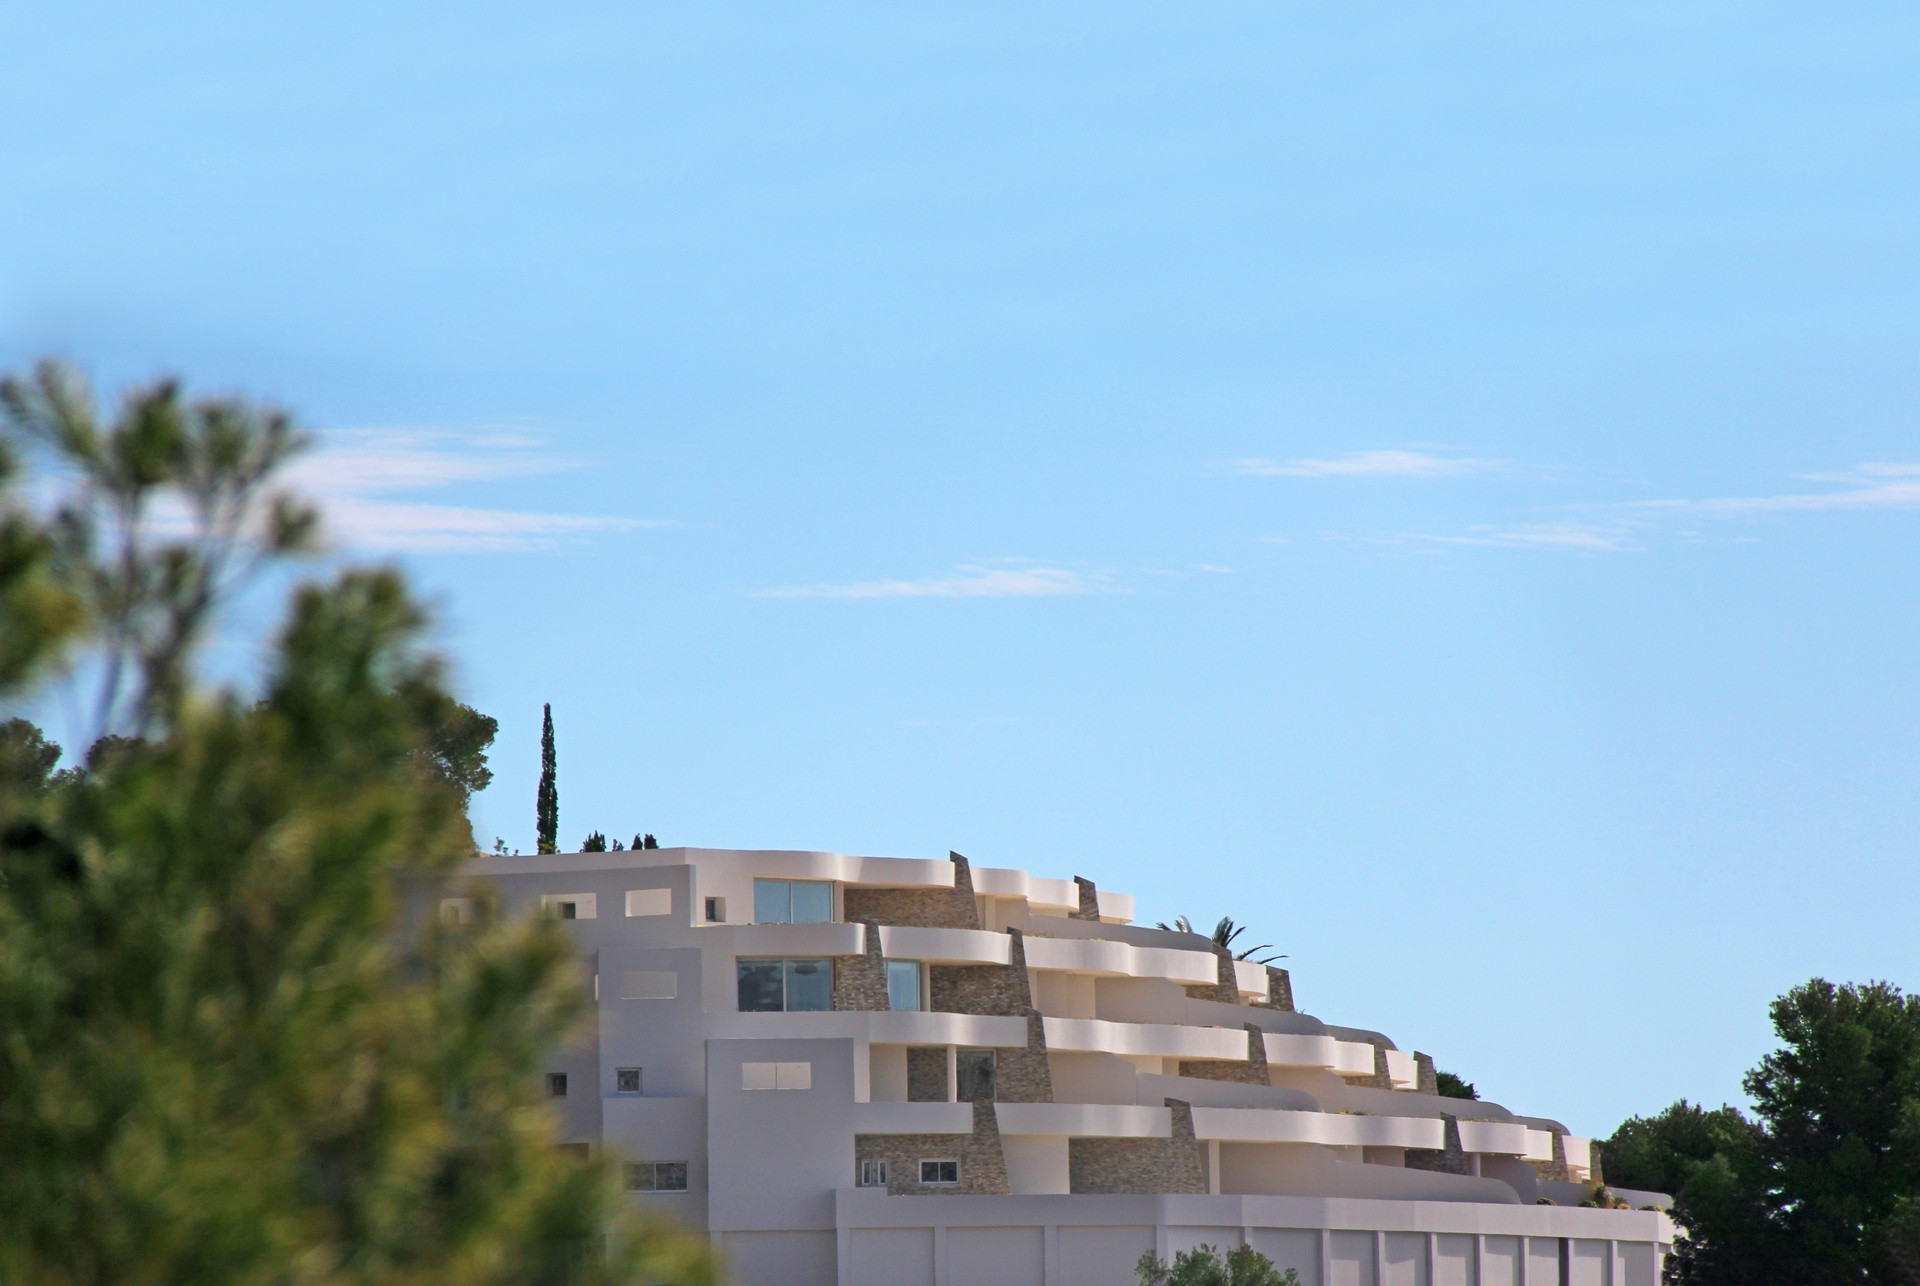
[(965, 582), (353, 469), (1536, 536), (1365, 464), (1871, 486)]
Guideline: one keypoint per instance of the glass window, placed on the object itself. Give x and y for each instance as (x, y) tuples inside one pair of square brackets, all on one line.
[(557, 1084), (792, 901), (656, 1176), (796, 986), (772, 902), (812, 901), (809, 985), (938, 1172), (873, 1174), (626, 1080), (761, 990), (973, 1070), (903, 984)]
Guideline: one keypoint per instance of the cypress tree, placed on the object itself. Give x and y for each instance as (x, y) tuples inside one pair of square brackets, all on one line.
[(547, 805)]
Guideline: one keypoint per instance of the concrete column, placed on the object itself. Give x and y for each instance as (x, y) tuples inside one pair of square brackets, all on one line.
[(1050, 1255), (940, 1277)]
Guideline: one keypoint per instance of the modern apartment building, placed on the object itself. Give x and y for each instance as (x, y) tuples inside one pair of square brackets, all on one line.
[(905, 1072)]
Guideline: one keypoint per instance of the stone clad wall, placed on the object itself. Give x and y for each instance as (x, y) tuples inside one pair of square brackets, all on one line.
[(1139, 1165), (1280, 989), (1252, 1072), (1450, 1158), (1022, 1075), (860, 982), (1379, 1078), (952, 908), (1002, 990), (1089, 908), (983, 1165), (927, 1074)]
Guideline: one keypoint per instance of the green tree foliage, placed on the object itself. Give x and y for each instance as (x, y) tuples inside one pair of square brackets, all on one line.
[(1820, 1186), (1665, 1153), (26, 758), (546, 805), (1451, 1086), (236, 1048), (456, 746), (595, 842), (1223, 935), (1206, 1266)]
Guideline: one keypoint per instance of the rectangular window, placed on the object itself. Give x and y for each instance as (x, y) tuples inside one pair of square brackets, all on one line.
[(776, 1076), (649, 985), (556, 1084), (656, 1176), (903, 984), (626, 1080), (717, 910), (809, 986), (570, 906), (873, 1174), (649, 901), (939, 1173), (973, 1075), (791, 986), (792, 901)]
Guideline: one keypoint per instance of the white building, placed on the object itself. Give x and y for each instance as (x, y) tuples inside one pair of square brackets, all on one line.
[(904, 1072)]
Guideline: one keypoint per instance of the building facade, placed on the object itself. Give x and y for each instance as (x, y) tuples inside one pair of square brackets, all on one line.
[(869, 1071)]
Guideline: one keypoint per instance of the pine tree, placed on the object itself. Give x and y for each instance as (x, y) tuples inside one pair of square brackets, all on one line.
[(547, 803), (235, 1050)]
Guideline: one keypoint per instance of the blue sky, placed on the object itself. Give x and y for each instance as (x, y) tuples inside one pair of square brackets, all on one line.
[(1437, 483)]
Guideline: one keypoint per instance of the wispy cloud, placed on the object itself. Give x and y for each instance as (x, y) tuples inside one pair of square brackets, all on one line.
[(1366, 464), (1870, 486), (1574, 536), (1005, 581), (355, 470)]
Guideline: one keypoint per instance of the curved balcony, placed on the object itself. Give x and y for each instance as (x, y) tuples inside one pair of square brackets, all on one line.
[(945, 946), (1108, 958), (880, 1027), (1269, 1125), (1347, 1057), (1144, 1040)]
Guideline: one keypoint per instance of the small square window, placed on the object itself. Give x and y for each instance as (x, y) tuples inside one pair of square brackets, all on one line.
[(568, 910), (873, 1174), (939, 1173), (626, 1080), (639, 1176), (556, 1084), (716, 910)]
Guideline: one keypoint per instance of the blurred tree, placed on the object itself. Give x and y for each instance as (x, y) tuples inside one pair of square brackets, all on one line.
[(26, 757), (238, 1049), (595, 842), (1451, 1086)]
